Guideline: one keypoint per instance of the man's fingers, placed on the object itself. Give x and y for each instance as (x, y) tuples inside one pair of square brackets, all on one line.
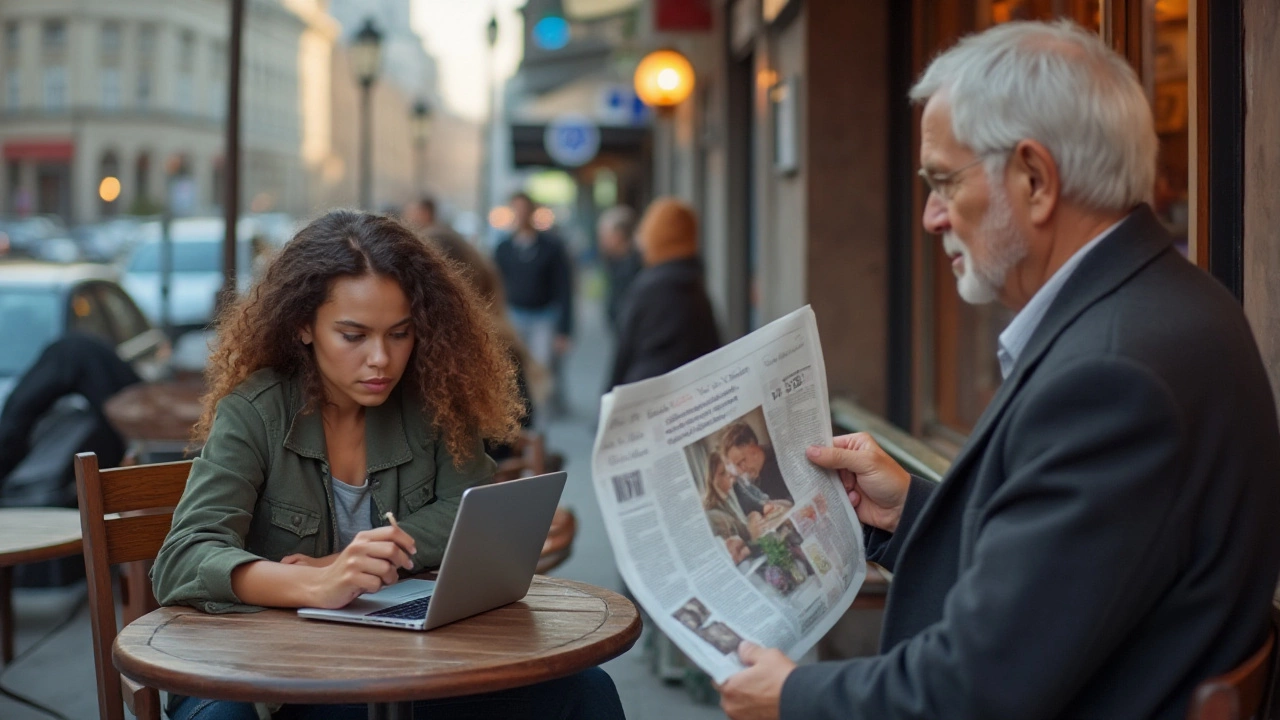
[(833, 458), (749, 653)]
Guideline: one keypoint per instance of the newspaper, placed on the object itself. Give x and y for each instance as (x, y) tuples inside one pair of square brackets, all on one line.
[(722, 528)]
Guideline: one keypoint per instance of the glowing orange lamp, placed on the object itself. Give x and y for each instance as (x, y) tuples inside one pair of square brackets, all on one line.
[(664, 78)]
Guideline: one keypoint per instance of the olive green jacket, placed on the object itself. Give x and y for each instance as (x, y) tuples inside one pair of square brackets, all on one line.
[(260, 489)]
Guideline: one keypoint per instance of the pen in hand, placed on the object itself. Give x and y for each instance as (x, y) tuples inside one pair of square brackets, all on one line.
[(391, 518)]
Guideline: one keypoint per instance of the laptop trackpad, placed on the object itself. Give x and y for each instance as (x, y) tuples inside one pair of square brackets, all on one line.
[(403, 591)]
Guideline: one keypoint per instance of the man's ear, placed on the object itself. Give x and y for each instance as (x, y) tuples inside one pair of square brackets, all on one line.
[(1034, 180), (306, 335)]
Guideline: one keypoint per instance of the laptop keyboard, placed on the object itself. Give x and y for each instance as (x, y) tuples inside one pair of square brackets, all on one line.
[(412, 610)]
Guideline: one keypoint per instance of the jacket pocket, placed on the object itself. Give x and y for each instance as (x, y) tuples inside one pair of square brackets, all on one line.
[(420, 495), (292, 519)]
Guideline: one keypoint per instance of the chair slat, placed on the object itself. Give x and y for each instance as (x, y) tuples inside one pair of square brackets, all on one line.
[(137, 537), (143, 486)]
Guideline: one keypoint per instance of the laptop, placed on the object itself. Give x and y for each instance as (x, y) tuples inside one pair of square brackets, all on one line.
[(489, 561)]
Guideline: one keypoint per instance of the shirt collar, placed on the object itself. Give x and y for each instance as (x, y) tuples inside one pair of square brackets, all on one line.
[(1015, 337), (386, 444)]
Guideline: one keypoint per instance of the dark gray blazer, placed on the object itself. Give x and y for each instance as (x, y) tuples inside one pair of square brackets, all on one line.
[(1107, 538)]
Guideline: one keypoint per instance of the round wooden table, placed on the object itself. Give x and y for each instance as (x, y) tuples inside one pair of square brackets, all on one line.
[(559, 628), (157, 416), (30, 535)]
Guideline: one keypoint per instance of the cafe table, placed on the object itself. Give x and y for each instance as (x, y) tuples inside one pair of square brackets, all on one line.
[(274, 656), (29, 535)]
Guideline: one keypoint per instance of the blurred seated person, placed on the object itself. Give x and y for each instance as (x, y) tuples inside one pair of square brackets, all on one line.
[(754, 463), (79, 364), (618, 254), (477, 270), (666, 319)]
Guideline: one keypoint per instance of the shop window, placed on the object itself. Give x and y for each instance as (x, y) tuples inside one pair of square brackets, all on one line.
[(957, 372)]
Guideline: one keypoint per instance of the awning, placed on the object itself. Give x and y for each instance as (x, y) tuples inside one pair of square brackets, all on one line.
[(40, 150)]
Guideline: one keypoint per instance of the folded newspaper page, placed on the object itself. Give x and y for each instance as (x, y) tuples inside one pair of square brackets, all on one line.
[(722, 528)]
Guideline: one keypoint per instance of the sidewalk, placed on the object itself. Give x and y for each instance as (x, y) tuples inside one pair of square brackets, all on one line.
[(59, 673)]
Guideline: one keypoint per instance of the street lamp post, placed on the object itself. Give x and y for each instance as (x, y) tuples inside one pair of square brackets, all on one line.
[(421, 131), (366, 60), (486, 176)]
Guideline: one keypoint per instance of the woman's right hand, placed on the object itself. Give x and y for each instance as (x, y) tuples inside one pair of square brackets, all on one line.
[(875, 483), (370, 563)]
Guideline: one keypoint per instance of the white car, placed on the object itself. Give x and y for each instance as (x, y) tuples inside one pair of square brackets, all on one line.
[(195, 269)]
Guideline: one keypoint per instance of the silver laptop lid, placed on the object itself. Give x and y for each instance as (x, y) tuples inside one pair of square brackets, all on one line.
[(494, 547)]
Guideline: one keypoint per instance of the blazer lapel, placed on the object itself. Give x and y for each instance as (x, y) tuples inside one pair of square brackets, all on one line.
[(1134, 244)]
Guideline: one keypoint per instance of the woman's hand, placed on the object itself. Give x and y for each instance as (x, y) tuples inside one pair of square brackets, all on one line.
[(876, 484), (370, 563)]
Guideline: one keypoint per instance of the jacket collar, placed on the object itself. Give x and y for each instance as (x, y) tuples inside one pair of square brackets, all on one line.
[(1138, 240), (386, 444)]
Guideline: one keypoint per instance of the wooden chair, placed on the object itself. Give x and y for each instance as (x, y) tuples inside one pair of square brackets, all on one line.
[(531, 458), (125, 514), (1242, 693)]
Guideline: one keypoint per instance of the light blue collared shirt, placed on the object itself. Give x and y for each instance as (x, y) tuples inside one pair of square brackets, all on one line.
[(1014, 339)]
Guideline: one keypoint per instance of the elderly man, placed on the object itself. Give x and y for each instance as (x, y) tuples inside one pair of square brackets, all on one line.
[(1105, 540)]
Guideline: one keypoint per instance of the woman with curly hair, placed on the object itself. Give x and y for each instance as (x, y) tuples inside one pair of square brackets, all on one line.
[(361, 375)]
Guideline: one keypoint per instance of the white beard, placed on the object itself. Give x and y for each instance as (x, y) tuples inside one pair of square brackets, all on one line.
[(981, 284)]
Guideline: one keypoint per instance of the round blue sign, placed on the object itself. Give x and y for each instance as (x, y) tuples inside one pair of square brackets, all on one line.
[(572, 140)]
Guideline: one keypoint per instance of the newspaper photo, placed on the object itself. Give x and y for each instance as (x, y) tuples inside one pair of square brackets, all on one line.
[(721, 527)]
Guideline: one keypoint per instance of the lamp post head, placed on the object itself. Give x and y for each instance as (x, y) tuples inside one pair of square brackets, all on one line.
[(421, 120), (664, 78), (366, 53)]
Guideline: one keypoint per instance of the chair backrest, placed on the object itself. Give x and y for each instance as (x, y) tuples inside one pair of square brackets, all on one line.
[(125, 514), (1239, 694)]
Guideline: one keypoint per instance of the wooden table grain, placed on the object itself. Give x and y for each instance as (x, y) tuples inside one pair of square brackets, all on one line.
[(559, 628), (30, 535)]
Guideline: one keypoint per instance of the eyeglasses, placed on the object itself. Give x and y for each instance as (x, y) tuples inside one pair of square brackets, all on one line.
[(944, 183)]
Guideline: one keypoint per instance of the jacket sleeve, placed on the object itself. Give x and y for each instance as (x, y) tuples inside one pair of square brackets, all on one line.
[(882, 546), (431, 524), (207, 539), (1069, 555)]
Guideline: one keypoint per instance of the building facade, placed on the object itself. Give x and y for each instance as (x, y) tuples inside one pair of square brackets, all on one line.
[(138, 91)]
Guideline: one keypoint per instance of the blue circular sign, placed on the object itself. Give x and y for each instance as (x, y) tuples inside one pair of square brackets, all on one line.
[(551, 33), (572, 140)]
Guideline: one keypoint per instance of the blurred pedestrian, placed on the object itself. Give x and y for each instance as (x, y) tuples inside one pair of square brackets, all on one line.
[(622, 261), (420, 214), (538, 278), (666, 319)]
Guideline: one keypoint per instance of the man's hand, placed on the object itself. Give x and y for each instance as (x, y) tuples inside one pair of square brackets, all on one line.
[(876, 484), (756, 693)]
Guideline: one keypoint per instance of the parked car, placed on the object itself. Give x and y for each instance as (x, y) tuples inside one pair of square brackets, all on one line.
[(195, 266), (40, 302), (41, 237)]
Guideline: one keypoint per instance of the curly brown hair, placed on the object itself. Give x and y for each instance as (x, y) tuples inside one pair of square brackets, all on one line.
[(460, 368)]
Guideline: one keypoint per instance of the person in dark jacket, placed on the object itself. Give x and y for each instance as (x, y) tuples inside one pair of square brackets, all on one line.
[(538, 279), (76, 363), (666, 319), (619, 256)]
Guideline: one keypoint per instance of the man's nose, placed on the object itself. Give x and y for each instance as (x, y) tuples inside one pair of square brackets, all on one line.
[(935, 218)]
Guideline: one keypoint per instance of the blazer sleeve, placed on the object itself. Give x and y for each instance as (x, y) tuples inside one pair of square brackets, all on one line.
[(1069, 555), (883, 546)]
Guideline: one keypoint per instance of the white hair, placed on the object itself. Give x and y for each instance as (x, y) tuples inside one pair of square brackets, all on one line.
[(1060, 85)]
